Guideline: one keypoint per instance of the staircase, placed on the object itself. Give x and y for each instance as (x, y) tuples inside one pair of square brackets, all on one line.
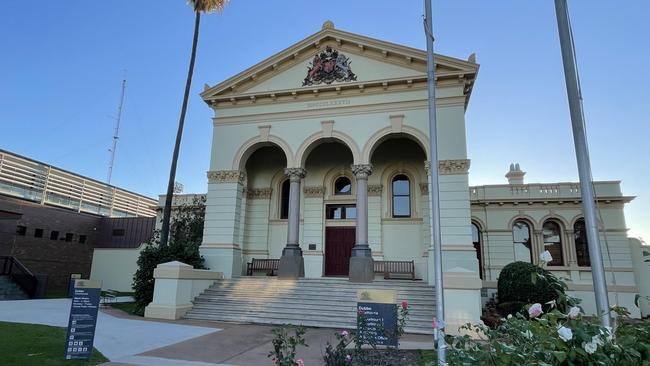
[(10, 291), (320, 302)]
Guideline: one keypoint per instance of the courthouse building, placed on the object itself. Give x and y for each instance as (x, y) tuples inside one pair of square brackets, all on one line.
[(320, 157)]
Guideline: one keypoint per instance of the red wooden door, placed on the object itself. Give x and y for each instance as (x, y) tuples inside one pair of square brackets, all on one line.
[(338, 248)]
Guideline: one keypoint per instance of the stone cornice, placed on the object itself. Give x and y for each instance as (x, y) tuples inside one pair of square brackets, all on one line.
[(314, 191), (226, 176), (258, 193)]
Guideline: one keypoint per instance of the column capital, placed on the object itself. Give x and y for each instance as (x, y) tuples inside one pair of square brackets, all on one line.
[(361, 171), (295, 174)]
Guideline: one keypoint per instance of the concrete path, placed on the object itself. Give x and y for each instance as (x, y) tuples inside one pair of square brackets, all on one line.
[(133, 341), (117, 338)]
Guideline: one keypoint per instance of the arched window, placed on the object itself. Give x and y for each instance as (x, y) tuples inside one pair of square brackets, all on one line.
[(521, 241), (342, 186), (284, 199), (401, 196), (476, 240), (553, 242), (582, 248)]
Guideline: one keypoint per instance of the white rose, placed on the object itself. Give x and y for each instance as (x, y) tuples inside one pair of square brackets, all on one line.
[(590, 347), (608, 334), (574, 312), (565, 334), (597, 340), (528, 334), (546, 256)]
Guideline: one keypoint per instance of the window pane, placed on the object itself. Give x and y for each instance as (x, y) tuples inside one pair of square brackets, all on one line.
[(342, 186), (475, 236), (553, 242), (284, 200), (350, 212), (551, 232), (521, 233), (582, 246), (401, 185), (401, 206)]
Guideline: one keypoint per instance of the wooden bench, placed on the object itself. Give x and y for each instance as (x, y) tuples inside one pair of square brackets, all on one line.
[(268, 265), (395, 267)]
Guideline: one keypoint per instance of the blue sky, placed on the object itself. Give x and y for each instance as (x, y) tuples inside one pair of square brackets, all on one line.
[(62, 63)]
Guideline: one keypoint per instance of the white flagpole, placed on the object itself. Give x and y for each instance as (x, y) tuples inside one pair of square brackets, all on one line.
[(582, 156), (433, 187)]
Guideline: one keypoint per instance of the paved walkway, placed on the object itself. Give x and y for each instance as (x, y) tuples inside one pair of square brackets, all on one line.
[(117, 338), (133, 341)]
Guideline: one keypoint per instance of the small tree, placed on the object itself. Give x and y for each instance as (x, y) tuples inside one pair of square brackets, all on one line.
[(186, 235)]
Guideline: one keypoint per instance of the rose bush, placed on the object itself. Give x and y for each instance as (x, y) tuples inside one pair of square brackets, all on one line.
[(557, 334)]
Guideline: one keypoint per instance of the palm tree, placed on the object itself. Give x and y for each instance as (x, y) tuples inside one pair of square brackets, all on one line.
[(200, 6)]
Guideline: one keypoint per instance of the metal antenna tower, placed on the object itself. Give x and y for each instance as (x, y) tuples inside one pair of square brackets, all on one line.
[(116, 135)]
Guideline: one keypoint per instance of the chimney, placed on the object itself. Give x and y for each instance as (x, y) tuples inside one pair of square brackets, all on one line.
[(515, 175)]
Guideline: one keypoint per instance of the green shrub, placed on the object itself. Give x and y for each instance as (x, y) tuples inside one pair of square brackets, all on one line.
[(151, 256), (522, 283), (186, 231)]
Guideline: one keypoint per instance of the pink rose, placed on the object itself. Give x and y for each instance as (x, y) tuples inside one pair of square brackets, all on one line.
[(574, 312), (535, 310), (348, 358), (345, 333), (405, 305), (434, 323), (300, 362), (361, 312)]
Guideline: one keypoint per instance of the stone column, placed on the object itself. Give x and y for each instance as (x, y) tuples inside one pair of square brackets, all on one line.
[(361, 263), (292, 263)]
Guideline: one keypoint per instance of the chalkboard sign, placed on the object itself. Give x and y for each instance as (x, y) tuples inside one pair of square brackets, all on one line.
[(83, 319), (377, 317)]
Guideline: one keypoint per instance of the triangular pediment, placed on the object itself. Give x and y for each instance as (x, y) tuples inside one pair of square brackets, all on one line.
[(365, 60)]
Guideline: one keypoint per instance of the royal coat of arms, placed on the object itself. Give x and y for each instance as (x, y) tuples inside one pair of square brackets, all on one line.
[(327, 67)]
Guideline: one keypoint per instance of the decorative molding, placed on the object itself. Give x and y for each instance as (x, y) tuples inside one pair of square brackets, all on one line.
[(375, 189), (314, 191), (226, 176), (424, 189), (329, 66), (459, 166), (258, 193), (362, 171), (295, 174)]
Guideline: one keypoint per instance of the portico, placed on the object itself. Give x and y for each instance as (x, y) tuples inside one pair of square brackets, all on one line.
[(320, 158)]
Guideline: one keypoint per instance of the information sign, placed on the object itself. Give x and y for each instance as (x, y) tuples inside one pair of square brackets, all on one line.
[(377, 317), (83, 319)]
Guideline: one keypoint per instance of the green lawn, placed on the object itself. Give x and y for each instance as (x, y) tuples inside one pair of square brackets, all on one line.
[(58, 294), (38, 345)]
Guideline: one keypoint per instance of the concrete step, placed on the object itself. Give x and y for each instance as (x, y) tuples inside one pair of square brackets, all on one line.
[(9, 290), (323, 302)]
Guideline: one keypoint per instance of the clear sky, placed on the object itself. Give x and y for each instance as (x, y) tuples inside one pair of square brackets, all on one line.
[(62, 63)]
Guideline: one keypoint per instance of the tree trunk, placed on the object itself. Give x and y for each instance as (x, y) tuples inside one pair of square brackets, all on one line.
[(164, 235)]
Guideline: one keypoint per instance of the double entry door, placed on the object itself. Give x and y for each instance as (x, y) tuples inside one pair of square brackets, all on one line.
[(338, 248)]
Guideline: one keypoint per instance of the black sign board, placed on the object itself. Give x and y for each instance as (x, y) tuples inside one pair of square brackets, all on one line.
[(83, 319), (73, 277), (377, 317)]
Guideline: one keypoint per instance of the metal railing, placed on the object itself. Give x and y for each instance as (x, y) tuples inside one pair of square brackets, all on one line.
[(19, 274), (35, 181)]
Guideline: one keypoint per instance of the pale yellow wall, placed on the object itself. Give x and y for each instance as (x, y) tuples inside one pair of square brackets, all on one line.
[(115, 267), (364, 68)]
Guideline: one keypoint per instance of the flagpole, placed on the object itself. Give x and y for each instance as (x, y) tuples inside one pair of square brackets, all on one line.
[(582, 156), (434, 197)]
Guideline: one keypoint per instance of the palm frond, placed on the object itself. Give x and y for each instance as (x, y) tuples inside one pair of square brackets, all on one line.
[(207, 6)]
